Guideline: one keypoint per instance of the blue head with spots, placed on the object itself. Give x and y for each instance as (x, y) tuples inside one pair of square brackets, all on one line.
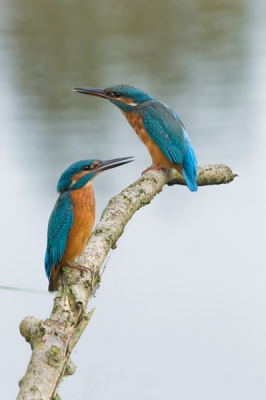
[(83, 172), (125, 97), (77, 175)]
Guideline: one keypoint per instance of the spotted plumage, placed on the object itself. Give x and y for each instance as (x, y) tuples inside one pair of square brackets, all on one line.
[(158, 127), (72, 218)]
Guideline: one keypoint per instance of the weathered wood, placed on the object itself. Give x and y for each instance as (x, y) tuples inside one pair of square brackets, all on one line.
[(53, 340)]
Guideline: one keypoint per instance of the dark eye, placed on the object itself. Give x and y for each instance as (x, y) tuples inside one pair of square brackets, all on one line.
[(86, 167), (113, 94)]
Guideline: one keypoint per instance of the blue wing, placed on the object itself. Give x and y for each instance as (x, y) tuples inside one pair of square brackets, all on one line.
[(60, 222), (166, 129)]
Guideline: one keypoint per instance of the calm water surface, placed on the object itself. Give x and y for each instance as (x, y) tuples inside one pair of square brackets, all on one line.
[(181, 309)]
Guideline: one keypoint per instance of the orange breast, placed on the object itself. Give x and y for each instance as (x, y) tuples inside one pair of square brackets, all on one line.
[(84, 216), (156, 154)]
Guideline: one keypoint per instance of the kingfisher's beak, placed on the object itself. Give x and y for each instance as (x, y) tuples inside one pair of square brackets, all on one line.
[(92, 91), (115, 162)]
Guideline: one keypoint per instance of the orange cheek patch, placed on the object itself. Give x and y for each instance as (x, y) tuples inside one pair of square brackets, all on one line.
[(94, 165), (130, 102), (78, 176)]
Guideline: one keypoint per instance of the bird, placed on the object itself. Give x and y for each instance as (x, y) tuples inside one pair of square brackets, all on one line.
[(72, 218), (158, 126)]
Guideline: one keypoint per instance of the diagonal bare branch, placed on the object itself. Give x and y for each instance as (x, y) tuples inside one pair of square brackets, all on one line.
[(53, 340)]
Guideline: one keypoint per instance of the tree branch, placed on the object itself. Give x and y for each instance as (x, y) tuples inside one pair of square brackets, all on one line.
[(53, 340)]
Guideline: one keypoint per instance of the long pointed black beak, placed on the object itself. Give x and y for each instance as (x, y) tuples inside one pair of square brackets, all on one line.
[(92, 91), (115, 162)]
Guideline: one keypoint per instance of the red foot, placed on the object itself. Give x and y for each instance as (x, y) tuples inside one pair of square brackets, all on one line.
[(79, 267), (152, 168)]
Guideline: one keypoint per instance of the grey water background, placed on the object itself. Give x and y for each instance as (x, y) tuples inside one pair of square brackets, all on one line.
[(180, 313)]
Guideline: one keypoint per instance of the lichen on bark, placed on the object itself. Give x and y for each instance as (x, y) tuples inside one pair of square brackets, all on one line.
[(53, 340)]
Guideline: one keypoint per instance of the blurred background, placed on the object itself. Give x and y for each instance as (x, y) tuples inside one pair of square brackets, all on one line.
[(180, 313)]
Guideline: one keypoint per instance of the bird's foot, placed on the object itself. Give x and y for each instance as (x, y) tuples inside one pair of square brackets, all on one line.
[(76, 266), (152, 168)]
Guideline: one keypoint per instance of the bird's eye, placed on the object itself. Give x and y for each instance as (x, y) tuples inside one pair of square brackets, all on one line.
[(112, 94), (86, 167)]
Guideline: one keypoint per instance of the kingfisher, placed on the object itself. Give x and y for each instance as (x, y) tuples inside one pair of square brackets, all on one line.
[(72, 218), (158, 127)]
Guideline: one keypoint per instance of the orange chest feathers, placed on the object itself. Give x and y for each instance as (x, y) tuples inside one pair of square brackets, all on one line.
[(84, 216), (156, 154), (136, 122)]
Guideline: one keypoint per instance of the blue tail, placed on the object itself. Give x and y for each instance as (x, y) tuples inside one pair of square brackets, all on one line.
[(189, 170), (48, 265), (190, 180)]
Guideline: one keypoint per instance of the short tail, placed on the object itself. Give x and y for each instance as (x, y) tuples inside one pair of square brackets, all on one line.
[(190, 171), (52, 273), (190, 180), (54, 277)]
